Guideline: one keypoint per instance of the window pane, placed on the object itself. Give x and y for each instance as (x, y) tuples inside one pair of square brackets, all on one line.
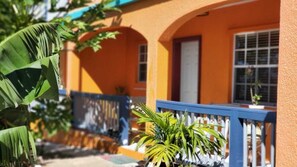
[(143, 49), (240, 41), (273, 75), (263, 74), (142, 63), (248, 93), (258, 50), (142, 57), (262, 56), (142, 76), (251, 40), (142, 72), (274, 56), (142, 67), (251, 57), (273, 94), (263, 39), (239, 92), (252, 76), (240, 75), (263, 91), (274, 38), (239, 57)]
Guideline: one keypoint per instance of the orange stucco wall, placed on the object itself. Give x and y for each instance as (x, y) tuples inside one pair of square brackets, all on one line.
[(154, 21), (159, 27), (217, 30), (286, 137), (113, 66)]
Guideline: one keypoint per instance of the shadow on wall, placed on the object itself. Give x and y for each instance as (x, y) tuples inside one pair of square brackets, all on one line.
[(83, 139), (115, 64)]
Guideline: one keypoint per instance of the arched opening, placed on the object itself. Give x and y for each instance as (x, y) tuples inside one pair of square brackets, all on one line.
[(209, 38), (119, 68), (209, 54)]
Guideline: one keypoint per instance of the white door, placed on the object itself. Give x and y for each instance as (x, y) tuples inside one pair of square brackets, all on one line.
[(189, 71)]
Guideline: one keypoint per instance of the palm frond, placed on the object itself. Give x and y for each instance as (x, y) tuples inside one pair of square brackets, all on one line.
[(162, 152), (171, 138)]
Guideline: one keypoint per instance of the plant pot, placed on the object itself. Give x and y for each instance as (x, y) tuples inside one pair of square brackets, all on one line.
[(259, 107)]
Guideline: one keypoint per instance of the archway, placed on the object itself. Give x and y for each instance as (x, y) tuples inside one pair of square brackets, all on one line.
[(119, 68), (216, 27)]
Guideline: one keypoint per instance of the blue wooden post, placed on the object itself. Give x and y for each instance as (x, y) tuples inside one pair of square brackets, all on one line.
[(124, 120), (236, 140)]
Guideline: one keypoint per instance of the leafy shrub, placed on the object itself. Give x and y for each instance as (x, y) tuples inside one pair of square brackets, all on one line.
[(170, 140)]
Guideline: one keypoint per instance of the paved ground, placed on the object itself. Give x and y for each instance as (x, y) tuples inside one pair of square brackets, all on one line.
[(88, 161), (56, 155)]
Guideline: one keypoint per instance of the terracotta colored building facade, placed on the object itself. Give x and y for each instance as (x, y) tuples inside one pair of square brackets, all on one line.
[(197, 52)]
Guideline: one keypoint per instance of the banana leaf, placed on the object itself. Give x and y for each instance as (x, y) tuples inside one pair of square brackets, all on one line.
[(29, 64), (17, 147)]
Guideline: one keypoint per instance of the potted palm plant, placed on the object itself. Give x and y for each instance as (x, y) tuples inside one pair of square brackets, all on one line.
[(170, 142), (254, 89)]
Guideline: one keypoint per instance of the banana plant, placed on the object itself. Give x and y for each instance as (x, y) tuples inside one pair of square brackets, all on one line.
[(29, 68), (17, 147), (169, 140), (29, 64), (18, 14)]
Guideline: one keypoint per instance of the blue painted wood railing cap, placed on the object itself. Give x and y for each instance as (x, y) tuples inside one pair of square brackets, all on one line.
[(62, 92), (244, 113)]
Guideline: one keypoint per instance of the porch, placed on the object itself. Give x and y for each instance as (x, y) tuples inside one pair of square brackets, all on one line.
[(107, 123), (250, 133), (218, 22)]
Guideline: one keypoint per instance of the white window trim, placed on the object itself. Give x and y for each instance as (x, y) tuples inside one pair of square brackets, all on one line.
[(139, 62), (233, 62)]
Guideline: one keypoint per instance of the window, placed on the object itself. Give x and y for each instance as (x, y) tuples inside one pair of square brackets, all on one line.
[(258, 50), (142, 62)]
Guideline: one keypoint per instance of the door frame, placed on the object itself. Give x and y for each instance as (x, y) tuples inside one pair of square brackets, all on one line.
[(176, 66)]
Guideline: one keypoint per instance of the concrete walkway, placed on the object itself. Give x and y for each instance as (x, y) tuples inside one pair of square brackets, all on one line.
[(88, 161), (57, 155)]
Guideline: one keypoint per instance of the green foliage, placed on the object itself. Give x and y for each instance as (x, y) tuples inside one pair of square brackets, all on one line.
[(28, 69), (17, 147), (10, 117), (255, 85), (256, 98), (15, 15), (88, 22), (170, 138), (29, 65), (51, 116)]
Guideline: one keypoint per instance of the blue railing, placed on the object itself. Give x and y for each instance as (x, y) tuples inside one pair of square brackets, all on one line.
[(102, 114), (244, 139)]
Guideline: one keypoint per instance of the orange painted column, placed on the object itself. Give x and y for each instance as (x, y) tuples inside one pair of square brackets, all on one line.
[(151, 81), (73, 76), (163, 78), (157, 72), (286, 137)]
